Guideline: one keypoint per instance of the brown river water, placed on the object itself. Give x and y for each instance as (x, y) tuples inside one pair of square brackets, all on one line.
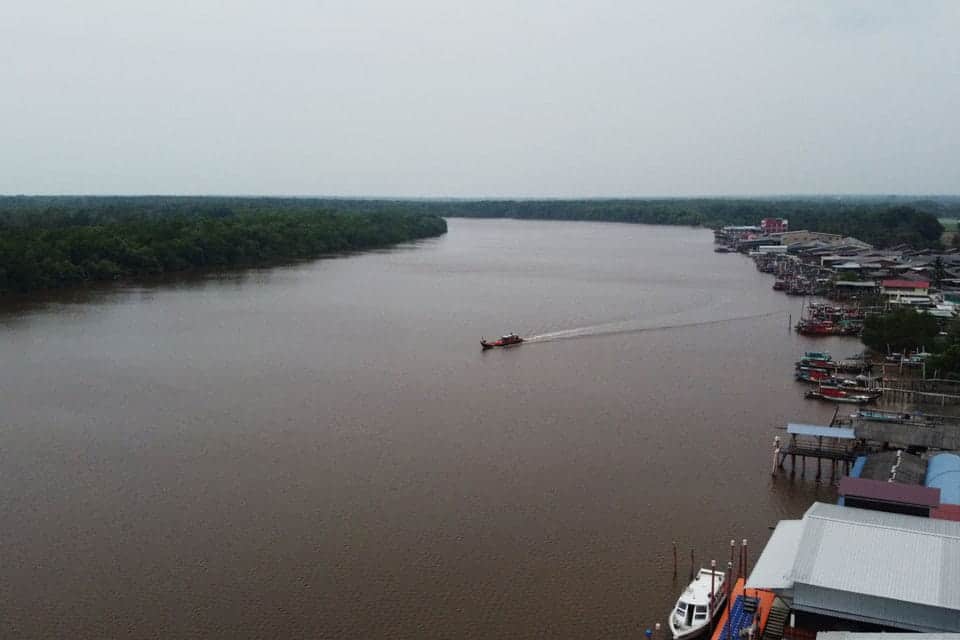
[(323, 450)]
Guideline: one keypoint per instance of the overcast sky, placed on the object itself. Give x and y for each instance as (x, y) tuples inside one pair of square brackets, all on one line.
[(495, 98)]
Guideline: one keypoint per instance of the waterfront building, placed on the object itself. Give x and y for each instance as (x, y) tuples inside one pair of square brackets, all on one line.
[(844, 568)]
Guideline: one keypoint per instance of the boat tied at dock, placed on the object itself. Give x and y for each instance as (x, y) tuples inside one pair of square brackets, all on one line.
[(698, 605), (832, 394)]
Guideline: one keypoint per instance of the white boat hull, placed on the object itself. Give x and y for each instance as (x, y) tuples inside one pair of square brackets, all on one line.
[(694, 631), (698, 605)]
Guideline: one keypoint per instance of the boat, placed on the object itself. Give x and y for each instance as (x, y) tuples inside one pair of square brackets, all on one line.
[(700, 602), (885, 416), (508, 340), (811, 376), (850, 386), (839, 395)]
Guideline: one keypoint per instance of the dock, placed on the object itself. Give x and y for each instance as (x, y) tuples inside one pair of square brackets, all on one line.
[(747, 614), (837, 445)]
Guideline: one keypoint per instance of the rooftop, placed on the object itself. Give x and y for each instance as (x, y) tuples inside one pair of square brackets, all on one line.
[(881, 491), (883, 568), (906, 284), (817, 430)]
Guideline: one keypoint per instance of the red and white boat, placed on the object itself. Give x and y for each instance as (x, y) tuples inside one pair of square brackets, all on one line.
[(508, 340)]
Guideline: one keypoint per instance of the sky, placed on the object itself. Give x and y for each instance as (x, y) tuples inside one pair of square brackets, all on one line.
[(517, 98)]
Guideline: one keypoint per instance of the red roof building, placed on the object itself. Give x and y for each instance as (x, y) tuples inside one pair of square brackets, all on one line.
[(773, 225), (905, 286)]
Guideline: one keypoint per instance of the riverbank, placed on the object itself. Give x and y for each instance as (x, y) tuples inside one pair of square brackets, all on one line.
[(60, 249)]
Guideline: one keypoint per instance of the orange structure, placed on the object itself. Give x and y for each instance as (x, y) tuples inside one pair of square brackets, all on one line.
[(744, 610)]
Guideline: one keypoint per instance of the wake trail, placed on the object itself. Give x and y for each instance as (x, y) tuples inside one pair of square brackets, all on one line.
[(631, 326)]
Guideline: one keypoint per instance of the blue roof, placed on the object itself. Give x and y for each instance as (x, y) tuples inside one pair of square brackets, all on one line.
[(817, 430), (943, 472)]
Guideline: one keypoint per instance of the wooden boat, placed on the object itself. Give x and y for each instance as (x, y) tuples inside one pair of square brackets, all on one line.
[(699, 603), (885, 416), (508, 340), (838, 395), (811, 376), (850, 386)]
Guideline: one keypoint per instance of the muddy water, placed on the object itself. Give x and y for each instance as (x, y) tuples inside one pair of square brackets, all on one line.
[(323, 451)]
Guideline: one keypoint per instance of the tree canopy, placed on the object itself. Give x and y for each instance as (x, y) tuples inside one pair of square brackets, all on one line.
[(66, 246), (901, 330)]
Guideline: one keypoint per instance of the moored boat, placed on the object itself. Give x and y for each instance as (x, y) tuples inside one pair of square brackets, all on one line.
[(700, 602), (839, 395), (884, 416), (508, 340)]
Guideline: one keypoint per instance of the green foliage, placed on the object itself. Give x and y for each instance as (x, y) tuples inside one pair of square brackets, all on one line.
[(881, 222), (69, 246), (57, 241), (947, 362), (900, 330)]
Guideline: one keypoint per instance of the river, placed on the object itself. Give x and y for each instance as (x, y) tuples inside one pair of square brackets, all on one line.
[(323, 451)]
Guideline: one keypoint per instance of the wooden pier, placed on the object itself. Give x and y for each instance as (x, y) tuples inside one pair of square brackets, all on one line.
[(921, 390), (836, 445)]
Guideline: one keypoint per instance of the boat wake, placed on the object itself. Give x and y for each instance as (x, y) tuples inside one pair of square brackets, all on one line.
[(634, 326)]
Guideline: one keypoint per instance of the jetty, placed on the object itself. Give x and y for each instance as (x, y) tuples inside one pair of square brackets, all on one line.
[(839, 446)]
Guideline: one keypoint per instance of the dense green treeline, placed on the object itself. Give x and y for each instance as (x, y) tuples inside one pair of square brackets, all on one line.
[(883, 222), (39, 251), (50, 241)]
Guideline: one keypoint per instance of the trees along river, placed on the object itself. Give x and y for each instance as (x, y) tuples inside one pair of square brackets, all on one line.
[(62, 247), (48, 242)]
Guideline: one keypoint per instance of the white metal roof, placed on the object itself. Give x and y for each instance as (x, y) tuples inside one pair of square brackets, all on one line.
[(775, 565), (884, 568), (888, 555)]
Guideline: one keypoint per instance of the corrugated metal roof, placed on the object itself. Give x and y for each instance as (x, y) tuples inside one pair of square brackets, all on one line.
[(871, 609), (886, 555), (912, 494), (774, 566), (884, 568), (817, 430), (947, 512)]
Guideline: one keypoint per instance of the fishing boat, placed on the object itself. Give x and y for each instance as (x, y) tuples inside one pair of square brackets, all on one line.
[(885, 416), (811, 376), (508, 340), (700, 602), (839, 395), (850, 386)]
